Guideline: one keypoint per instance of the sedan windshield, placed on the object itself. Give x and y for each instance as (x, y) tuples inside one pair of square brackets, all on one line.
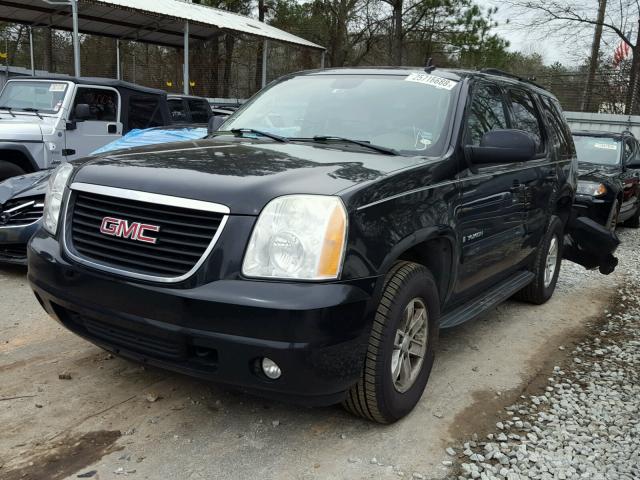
[(40, 96), (597, 150), (404, 113)]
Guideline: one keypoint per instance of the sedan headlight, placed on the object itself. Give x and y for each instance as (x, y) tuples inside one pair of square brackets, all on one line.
[(298, 237), (593, 189), (53, 198)]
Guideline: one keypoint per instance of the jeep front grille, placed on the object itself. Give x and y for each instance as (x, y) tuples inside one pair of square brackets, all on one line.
[(184, 238), (25, 211)]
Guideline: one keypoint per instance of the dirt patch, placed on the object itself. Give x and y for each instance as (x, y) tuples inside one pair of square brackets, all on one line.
[(64, 456), (481, 416)]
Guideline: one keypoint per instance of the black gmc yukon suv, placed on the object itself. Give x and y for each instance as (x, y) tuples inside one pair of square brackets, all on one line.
[(315, 245)]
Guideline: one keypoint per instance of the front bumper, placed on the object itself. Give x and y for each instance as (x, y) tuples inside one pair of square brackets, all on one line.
[(597, 209), (316, 333), (13, 243)]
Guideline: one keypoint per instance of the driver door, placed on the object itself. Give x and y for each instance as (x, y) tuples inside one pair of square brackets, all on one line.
[(489, 219), (630, 179), (102, 125)]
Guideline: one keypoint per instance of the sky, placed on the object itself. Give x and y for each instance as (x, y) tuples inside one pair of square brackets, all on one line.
[(552, 49)]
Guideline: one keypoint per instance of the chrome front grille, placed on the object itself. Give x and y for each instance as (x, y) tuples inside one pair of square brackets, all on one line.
[(21, 212), (147, 236)]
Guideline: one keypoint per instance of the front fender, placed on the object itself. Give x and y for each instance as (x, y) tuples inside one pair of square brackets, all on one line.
[(27, 152)]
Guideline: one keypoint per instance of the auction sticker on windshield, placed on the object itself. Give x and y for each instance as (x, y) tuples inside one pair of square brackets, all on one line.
[(432, 80), (57, 87), (606, 146)]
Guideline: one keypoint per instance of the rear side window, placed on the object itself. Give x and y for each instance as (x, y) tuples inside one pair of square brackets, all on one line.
[(560, 135), (144, 112), (103, 103), (177, 111), (200, 111), (487, 113), (525, 115)]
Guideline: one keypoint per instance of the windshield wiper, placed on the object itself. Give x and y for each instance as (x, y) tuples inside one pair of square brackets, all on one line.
[(362, 143), (272, 136), (9, 110), (34, 110)]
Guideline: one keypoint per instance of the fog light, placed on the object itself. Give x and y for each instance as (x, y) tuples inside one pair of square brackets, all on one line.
[(271, 369)]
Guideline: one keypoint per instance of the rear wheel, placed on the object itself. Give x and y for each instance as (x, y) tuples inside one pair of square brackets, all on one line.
[(401, 346), (546, 267), (634, 222), (8, 170)]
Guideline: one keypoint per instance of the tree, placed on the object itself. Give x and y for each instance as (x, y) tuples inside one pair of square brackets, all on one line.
[(570, 18)]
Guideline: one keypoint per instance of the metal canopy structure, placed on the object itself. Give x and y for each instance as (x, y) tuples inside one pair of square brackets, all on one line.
[(170, 23)]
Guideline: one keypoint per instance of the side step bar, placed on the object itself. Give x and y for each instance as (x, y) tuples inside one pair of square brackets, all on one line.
[(488, 300)]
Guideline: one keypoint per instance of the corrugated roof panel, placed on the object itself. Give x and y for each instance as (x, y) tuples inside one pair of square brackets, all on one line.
[(205, 15)]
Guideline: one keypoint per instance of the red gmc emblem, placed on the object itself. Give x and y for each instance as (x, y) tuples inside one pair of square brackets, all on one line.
[(117, 227)]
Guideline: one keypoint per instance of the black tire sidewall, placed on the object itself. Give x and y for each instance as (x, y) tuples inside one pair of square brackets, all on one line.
[(395, 404), (8, 170), (555, 229)]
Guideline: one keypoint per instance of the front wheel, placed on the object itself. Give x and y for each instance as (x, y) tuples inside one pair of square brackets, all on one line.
[(8, 170), (401, 346), (546, 267)]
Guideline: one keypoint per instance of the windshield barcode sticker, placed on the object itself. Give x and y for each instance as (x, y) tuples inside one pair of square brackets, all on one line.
[(427, 79), (606, 146), (57, 87)]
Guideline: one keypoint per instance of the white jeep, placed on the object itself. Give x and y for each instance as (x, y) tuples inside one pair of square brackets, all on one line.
[(48, 120)]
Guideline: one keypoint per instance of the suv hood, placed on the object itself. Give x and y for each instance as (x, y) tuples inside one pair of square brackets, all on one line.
[(24, 186), (243, 175), (597, 173), (19, 130)]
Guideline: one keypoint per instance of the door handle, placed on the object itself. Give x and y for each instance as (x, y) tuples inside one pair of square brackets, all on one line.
[(111, 129)]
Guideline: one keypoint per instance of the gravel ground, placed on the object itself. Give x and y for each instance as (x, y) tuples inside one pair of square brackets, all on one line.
[(586, 424)]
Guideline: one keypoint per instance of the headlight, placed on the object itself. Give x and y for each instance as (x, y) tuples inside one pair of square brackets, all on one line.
[(54, 196), (594, 189), (298, 237)]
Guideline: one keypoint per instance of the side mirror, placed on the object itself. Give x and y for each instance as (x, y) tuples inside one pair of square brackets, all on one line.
[(634, 163), (215, 122), (82, 112), (503, 146)]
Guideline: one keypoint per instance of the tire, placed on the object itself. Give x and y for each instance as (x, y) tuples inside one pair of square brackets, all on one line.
[(615, 215), (377, 396), (542, 287), (634, 222), (8, 170)]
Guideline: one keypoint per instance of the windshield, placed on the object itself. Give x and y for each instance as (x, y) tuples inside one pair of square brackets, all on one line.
[(598, 150), (404, 113), (46, 97)]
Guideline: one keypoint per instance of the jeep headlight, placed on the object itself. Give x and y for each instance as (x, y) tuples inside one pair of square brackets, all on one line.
[(593, 189), (298, 237), (53, 198)]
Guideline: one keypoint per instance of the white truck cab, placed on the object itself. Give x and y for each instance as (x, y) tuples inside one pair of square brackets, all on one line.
[(46, 121)]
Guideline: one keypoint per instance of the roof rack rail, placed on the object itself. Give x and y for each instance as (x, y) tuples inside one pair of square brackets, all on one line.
[(502, 73)]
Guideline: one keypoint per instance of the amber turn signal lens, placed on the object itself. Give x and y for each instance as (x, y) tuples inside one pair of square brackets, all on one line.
[(333, 247)]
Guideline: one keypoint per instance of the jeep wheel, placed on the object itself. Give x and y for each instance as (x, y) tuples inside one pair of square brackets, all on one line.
[(546, 267), (401, 346), (634, 222), (8, 170)]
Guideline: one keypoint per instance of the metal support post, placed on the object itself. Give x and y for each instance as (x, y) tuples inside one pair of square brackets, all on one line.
[(265, 46)]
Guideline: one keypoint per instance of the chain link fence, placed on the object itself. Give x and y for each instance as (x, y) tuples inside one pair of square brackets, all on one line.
[(228, 66)]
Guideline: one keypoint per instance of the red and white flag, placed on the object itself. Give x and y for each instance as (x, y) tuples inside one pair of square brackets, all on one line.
[(622, 52)]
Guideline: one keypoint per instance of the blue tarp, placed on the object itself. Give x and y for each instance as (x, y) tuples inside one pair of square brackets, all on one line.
[(153, 136)]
